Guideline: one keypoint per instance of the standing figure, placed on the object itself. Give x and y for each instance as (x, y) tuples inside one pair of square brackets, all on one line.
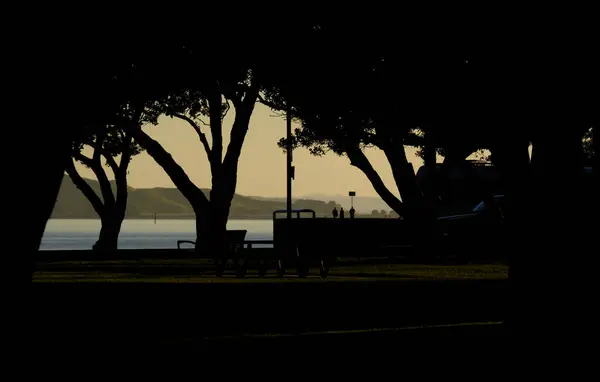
[(334, 213), (341, 212), (352, 212)]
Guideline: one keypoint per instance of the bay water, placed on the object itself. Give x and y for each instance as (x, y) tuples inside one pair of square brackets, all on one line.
[(77, 234)]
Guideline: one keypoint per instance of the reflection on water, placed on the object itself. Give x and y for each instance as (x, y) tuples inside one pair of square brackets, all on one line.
[(139, 233)]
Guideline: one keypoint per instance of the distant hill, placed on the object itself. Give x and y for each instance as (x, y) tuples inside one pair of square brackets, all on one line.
[(169, 202)]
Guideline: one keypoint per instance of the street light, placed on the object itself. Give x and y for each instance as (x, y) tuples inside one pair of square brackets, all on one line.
[(290, 169)]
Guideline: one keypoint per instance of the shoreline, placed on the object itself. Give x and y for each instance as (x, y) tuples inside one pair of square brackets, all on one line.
[(158, 218), (191, 217)]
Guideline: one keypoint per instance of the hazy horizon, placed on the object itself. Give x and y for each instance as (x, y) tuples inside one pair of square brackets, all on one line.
[(262, 163)]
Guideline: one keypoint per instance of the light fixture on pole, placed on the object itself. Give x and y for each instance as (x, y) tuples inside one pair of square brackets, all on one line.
[(290, 169)]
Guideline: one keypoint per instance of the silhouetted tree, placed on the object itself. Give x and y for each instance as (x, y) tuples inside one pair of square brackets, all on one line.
[(93, 80), (348, 102), (515, 98), (84, 78), (354, 97), (203, 104), (108, 142), (201, 91)]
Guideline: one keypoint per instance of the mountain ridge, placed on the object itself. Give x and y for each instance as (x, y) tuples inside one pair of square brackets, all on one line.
[(169, 202)]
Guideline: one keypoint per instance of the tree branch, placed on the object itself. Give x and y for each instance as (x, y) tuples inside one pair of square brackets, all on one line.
[(359, 160), (267, 103), (233, 96), (226, 110), (105, 187), (243, 112), (83, 159), (414, 140), (404, 175), (391, 142), (126, 153), (98, 145), (121, 178), (189, 190), (252, 93), (216, 130), (204, 123), (196, 128), (85, 188), (96, 165), (111, 162)]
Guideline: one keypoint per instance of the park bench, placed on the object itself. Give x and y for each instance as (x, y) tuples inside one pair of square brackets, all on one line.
[(234, 240), (249, 252), (179, 242), (240, 251)]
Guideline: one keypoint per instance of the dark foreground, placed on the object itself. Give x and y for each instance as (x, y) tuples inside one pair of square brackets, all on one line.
[(212, 316)]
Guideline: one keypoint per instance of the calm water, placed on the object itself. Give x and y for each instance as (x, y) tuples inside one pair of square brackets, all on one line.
[(82, 233)]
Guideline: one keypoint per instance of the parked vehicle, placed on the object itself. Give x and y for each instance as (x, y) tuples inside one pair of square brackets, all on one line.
[(458, 187), (477, 234)]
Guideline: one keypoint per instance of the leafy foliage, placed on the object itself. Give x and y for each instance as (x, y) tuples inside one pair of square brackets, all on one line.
[(110, 138)]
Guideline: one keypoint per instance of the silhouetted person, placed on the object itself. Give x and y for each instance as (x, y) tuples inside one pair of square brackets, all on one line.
[(334, 213), (352, 212), (341, 212)]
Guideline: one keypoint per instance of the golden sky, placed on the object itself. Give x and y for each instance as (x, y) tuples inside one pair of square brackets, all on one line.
[(262, 164)]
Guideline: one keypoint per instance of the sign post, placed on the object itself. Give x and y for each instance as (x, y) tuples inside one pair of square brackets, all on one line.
[(352, 194)]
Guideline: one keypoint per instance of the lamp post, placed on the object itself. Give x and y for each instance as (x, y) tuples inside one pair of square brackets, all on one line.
[(290, 168)]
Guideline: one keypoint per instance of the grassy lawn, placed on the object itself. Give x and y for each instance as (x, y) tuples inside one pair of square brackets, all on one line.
[(200, 271), (181, 302)]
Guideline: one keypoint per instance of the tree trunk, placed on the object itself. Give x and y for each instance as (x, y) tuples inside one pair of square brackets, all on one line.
[(109, 234), (51, 175), (413, 202), (549, 267), (113, 217), (211, 227), (563, 229), (51, 148), (219, 213), (29, 228), (224, 182), (54, 155), (224, 174), (512, 162), (202, 232), (120, 207)]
